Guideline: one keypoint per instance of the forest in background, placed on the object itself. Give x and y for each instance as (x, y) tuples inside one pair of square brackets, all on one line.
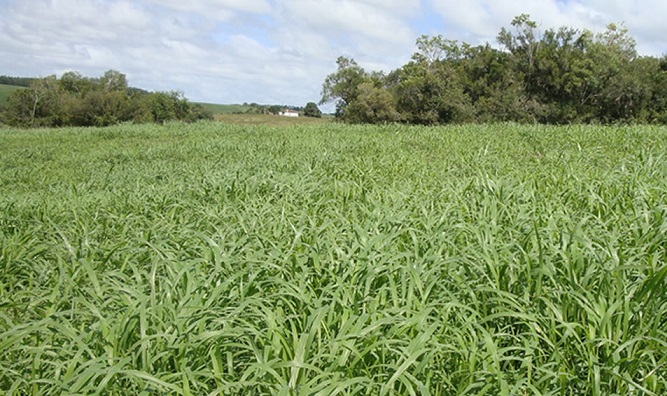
[(76, 100), (558, 76)]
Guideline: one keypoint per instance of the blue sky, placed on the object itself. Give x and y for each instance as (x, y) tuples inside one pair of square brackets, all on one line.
[(270, 51)]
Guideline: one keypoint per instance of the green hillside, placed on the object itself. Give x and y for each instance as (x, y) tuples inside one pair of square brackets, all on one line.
[(225, 108), (252, 108), (5, 91)]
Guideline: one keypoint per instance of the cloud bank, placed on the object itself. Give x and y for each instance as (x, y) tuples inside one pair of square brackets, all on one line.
[(270, 51)]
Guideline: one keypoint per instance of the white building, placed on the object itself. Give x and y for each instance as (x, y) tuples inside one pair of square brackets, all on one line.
[(289, 113)]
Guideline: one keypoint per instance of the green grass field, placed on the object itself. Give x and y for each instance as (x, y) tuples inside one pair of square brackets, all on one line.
[(214, 259), (225, 108), (271, 120), (5, 91)]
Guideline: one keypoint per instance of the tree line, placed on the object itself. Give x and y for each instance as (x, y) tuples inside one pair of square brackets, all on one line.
[(17, 81), (558, 76), (75, 100)]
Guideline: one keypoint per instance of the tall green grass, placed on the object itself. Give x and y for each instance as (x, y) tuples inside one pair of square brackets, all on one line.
[(209, 259)]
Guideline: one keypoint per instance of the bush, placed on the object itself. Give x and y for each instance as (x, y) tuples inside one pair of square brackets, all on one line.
[(311, 110), (74, 100)]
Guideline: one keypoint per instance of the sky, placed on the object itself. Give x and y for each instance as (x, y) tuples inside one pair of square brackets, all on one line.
[(273, 51)]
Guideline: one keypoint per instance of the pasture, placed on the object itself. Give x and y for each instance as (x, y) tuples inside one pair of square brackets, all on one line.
[(217, 259), (271, 120), (225, 108), (5, 91)]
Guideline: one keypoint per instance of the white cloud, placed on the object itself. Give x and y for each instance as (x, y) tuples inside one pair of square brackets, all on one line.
[(217, 9), (481, 20), (384, 21)]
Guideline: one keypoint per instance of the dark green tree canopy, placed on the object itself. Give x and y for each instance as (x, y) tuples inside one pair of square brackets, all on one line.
[(341, 87), (556, 76), (311, 110)]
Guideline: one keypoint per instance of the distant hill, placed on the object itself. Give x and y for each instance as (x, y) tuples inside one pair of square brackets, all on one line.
[(247, 108), (5, 91), (271, 120), (214, 108), (225, 108)]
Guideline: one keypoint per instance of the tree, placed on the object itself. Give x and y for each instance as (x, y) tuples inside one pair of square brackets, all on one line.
[(431, 50), (165, 106), (614, 57), (99, 108), (431, 93), (495, 90), (77, 100), (76, 84), (21, 108), (39, 105), (564, 80), (311, 110), (275, 109), (523, 44), (657, 107), (561, 75), (113, 80), (373, 105), (524, 41), (342, 85)]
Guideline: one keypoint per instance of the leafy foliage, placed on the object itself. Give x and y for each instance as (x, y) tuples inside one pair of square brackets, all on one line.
[(561, 76), (342, 86), (430, 93), (80, 101), (311, 110)]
